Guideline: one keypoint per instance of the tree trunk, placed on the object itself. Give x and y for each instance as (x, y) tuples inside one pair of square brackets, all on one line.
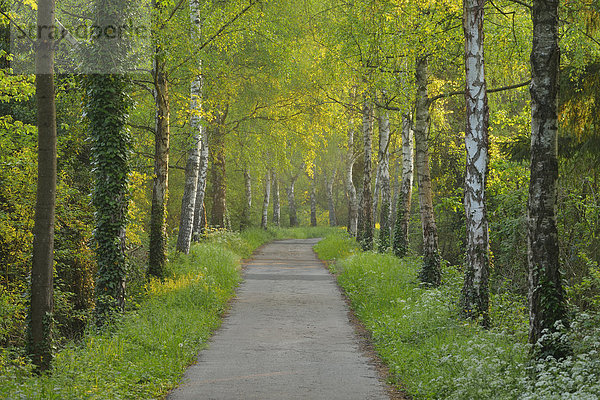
[(157, 257), (265, 209), (313, 200), (219, 177), (474, 296), (42, 267), (199, 209), (546, 295), (365, 221), (431, 270), (192, 167), (276, 203), (383, 167), (292, 202), (188, 201), (351, 190), (330, 202), (245, 223), (405, 193)]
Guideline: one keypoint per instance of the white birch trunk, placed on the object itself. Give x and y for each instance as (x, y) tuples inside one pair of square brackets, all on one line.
[(330, 202), (401, 242), (350, 188), (383, 167), (475, 297), (365, 220), (199, 211), (276, 202), (188, 202), (265, 208)]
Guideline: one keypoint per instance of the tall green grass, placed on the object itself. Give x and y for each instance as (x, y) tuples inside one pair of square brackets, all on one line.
[(145, 352), (433, 354)]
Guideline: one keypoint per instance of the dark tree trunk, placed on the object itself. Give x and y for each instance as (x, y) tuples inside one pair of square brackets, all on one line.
[(41, 301), (292, 202), (546, 295), (365, 213), (157, 257), (404, 201), (431, 271), (475, 296)]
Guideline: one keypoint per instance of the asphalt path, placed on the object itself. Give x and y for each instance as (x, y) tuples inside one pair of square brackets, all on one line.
[(286, 336)]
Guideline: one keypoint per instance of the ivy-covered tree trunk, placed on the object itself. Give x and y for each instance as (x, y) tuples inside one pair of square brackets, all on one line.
[(199, 209), (401, 243), (330, 202), (265, 208), (365, 216), (107, 111), (431, 270), (41, 304), (313, 200), (276, 202), (219, 177), (292, 210), (384, 180), (157, 257), (475, 293), (546, 295), (350, 188), (245, 219)]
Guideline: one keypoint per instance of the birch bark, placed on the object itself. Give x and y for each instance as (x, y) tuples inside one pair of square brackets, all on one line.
[(431, 271), (199, 209), (350, 188), (292, 202), (383, 167), (192, 167), (475, 297), (401, 241), (265, 208), (245, 220), (546, 294), (365, 221), (276, 202)]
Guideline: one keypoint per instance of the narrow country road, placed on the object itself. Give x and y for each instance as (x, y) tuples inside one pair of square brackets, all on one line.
[(287, 336)]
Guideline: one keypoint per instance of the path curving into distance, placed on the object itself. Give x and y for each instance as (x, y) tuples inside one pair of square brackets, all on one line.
[(287, 336)]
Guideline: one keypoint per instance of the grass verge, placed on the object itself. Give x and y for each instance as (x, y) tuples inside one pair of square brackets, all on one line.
[(145, 352), (432, 354)]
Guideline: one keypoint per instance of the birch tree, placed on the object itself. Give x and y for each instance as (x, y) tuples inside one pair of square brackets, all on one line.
[(265, 208), (365, 221), (401, 243), (383, 167), (199, 209), (350, 188), (276, 203), (547, 308), (475, 297), (42, 266), (329, 180)]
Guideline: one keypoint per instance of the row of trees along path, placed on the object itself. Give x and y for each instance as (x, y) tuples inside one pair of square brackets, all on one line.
[(370, 96)]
